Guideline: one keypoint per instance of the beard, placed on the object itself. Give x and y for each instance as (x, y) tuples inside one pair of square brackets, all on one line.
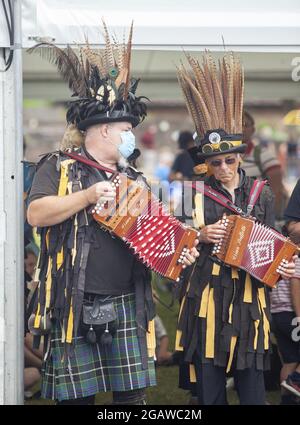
[(122, 162)]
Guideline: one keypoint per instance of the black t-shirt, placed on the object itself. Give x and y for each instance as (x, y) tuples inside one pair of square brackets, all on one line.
[(183, 164), (292, 212), (110, 262)]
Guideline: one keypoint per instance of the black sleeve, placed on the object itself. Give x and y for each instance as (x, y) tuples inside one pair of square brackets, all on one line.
[(46, 180), (176, 167), (268, 197), (292, 212)]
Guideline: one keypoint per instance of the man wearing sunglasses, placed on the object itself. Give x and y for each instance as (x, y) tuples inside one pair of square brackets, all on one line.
[(223, 323), (221, 305)]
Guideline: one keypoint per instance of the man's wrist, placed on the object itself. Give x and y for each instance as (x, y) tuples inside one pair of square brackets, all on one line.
[(86, 196)]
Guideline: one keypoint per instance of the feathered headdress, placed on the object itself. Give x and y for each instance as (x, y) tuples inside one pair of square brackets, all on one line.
[(214, 99), (99, 80)]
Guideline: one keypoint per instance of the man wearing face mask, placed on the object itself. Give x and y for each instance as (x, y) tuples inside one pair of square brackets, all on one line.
[(81, 265)]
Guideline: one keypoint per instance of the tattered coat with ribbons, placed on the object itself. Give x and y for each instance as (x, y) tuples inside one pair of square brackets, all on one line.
[(224, 315), (62, 266)]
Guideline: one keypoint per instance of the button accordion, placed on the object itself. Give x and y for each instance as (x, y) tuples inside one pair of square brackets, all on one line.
[(140, 219), (254, 247)]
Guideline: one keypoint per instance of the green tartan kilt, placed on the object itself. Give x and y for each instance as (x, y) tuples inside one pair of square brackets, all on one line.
[(95, 368)]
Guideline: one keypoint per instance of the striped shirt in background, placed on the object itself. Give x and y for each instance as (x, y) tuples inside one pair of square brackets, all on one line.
[(268, 159), (160, 331), (281, 295), (297, 271)]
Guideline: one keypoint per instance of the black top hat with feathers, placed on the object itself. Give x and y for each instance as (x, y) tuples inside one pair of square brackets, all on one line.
[(100, 81), (214, 98)]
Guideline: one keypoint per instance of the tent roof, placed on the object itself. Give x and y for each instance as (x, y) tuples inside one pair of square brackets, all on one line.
[(264, 26)]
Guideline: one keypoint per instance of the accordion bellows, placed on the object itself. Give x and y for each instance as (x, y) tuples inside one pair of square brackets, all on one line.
[(141, 220), (255, 248)]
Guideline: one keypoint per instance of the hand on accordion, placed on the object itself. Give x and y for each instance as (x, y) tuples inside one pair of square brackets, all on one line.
[(212, 233), (190, 256), (287, 270), (100, 192)]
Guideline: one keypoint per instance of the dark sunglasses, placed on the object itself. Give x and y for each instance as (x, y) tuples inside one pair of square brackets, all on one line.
[(218, 162)]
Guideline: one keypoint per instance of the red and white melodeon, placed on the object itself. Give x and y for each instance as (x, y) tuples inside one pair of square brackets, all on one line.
[(254, 247), (141, 220)]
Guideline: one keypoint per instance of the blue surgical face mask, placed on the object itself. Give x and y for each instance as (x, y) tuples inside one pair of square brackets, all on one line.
[(127, 146)]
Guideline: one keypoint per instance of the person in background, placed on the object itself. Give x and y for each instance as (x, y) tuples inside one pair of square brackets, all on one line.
[(292, 216), (31, 259), (292, 382), (163, 167), (182, 168), (32, 357), (150, 156), (31, 378), (283, 314), (163, 355), (262, 162)]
